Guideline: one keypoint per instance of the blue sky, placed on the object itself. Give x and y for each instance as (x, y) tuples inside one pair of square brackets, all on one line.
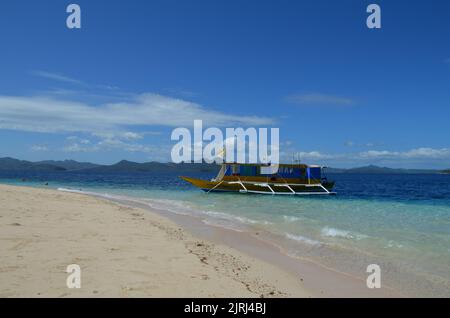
[(341, 94)]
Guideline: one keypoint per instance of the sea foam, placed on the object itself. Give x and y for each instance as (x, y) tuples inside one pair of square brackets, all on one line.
[(333, 232), (302, 239)]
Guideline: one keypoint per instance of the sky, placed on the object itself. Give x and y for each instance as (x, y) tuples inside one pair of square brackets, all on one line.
[(342, 94)]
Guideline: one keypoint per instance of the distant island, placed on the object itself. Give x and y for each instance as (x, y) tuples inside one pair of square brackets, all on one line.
[(377, 169), (16, 165)]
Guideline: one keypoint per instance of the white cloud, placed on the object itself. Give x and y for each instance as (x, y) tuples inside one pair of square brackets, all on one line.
[(130, 147), (131, 135), (349, 143), (83, 89), (111, 143), (418, 153), (314, 155), (39, 148), (48, 114), (78, 139), (319, 99), (428, 153), (377, 154), (415, 157), (76, 147), (57, 77)]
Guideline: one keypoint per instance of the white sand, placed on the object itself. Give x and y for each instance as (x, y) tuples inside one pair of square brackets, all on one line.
[(122, 252)]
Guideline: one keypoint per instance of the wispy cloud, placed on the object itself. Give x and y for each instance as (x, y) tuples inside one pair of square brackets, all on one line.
[(424, 156), (49, 114), (57, 77), (349, 143), (314, 155), (418, 153), (82, 141), (76, 147), (72, 81), (310, 99), (39, 148), (129, 135), (109, 144)]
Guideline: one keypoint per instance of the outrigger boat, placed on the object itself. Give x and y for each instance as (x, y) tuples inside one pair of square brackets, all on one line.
[(290, 179)]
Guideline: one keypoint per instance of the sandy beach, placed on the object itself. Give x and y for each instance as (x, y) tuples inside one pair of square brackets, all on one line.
[(127, 250), (122, 252)]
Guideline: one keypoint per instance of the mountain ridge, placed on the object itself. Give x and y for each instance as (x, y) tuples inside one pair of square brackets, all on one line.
[(12, 164)]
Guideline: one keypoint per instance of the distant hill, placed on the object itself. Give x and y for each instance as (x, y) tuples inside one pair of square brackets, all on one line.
[(129, 166), (11, 164), (377, 169), (69, 164), (16, 165), (335, 170)]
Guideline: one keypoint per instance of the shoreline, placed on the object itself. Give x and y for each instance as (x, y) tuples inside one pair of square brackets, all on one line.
[(321, 280), (236, 264)]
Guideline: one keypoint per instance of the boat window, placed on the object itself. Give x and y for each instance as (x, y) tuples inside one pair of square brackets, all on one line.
[(248, 171), (302, 172), (315, 173)]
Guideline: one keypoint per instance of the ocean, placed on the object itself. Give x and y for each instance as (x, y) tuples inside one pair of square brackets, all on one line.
[(400, 222)]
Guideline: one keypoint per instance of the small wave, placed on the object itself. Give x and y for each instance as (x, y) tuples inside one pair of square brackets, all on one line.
[(223, 224), (290, 218), (333, 232), (392, 244), (71, 190), (240, 219), (215, 218), (302, 239), (176, 207), (160, 204), (105, 195)]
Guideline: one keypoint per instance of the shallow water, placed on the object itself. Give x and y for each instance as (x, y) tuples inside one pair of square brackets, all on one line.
[(400, 222)]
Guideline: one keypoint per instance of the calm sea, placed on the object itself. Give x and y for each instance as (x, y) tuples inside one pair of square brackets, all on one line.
[(400, 222)]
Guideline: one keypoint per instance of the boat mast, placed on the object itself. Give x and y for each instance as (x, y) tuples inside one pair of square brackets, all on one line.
[(296, 158)]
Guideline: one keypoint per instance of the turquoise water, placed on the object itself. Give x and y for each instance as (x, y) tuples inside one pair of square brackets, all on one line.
[(400, 222)]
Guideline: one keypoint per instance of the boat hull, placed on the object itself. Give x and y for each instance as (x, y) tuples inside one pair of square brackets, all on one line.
[(240, 186)]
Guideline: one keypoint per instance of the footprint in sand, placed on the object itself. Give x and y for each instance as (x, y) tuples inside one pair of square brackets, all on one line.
[(20, 245)]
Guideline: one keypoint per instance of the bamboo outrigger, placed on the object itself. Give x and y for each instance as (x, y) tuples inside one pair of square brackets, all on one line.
[(289, 179)]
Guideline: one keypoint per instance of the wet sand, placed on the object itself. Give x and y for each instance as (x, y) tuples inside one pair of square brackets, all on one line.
[(319, 280)]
